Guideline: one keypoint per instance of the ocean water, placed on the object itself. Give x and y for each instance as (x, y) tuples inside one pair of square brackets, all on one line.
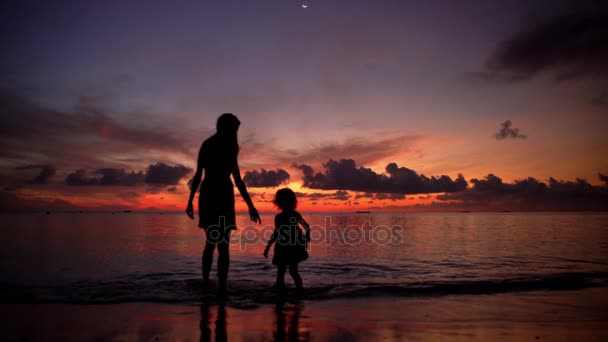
[(132, 257)]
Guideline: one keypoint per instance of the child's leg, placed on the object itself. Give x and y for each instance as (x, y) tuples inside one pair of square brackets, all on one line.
[(281, 269), (293, 271)]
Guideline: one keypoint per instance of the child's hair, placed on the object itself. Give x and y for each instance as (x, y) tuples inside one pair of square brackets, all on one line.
[(285, 199)]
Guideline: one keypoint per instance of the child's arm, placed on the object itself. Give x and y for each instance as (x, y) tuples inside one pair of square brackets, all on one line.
[(272, 240), (306, 227)]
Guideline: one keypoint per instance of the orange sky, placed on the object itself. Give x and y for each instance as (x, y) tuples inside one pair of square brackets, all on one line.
[(105, 109)]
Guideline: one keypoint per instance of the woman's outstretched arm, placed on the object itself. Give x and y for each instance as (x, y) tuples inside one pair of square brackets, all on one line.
[(196, 181), (238, 181)]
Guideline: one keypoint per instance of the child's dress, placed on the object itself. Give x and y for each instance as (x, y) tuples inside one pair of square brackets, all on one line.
[(290, 246)]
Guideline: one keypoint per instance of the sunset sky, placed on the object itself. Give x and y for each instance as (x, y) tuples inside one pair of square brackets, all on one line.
[(104, 104)]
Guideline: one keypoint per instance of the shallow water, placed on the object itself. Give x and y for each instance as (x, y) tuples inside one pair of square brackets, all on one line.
[(105, 258)]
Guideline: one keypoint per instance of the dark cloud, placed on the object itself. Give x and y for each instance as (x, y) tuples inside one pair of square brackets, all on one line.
[(110, 176), (507, 131), (266, 178), (344, 175), (603, 177), (381, 196), (79, 178), (529, 194), (46, 172), (314, 196), (340, 195), (364, 195), (392, 197), (26, 128), (15, 202), (570, 45), (161, 173), (105, 176)]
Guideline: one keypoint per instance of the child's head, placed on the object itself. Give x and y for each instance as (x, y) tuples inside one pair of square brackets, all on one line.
[(285, 199)]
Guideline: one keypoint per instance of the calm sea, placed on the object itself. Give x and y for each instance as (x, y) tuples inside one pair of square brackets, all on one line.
[(113, 258)]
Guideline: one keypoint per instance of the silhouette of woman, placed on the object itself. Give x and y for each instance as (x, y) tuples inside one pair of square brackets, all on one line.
[(218, 157)]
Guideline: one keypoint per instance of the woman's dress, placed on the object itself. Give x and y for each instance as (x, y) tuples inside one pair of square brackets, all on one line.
[(216, 198)]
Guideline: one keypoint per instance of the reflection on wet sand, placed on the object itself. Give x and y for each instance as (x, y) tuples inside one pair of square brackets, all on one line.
[(287, 323), (220, 323)]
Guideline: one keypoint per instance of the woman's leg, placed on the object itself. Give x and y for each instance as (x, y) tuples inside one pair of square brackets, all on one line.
[(223, 261), (207, 259), (293, 272), (281, 269)]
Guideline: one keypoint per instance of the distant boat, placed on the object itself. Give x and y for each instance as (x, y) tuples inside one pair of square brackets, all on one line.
[(127, 211), (362, 212)]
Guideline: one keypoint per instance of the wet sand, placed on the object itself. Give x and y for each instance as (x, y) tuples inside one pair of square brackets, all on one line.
[(546, 316)]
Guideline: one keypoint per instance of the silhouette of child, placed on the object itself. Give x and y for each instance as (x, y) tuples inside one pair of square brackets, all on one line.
[(291, 243)]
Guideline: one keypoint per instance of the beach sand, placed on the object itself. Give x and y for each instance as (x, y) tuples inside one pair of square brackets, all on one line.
[(547, 316)]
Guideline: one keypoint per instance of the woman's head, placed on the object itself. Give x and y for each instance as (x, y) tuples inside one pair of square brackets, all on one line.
[(227, 123), (227, 126), (285, 199)]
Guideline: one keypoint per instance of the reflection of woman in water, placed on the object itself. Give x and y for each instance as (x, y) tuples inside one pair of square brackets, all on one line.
[(218, 157)]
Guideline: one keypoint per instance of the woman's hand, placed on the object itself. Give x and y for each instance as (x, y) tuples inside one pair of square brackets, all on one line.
[(266, 250), (190, 210), (254, 215)]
